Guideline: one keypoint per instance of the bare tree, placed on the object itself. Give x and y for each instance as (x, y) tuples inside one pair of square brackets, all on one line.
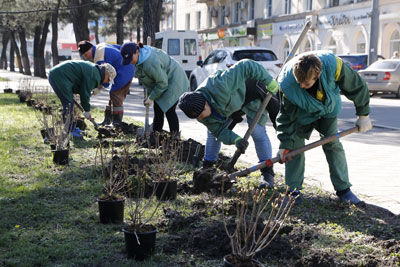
[(39, 43), (80, 18), (151, 19), (121, 13), (3, 59), (54, 34), (24, 52), (16, 50)]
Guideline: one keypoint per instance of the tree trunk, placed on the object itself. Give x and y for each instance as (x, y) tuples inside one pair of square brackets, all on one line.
[(151, 19), (42, 46), (36, 52), (12, 66), (80, 19), (24, 52), (16, 50), (54, 35), (96, 30), (3, 59), (121, 13), (157, 18), (138, 29)]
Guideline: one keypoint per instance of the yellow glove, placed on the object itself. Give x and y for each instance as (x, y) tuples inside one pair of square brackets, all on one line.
[(273, 86)]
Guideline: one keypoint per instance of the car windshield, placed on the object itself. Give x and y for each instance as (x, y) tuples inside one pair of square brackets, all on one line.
[(355, 59), (256, 55), (387, 65)]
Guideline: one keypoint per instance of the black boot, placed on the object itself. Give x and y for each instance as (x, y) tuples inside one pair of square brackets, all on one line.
[(208, 164), (117, 118), (107, 118), (267, 177)]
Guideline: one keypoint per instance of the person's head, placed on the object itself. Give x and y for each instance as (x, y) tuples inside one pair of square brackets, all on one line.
[(130, 52), (85, 49), (307, 70), (109, 73), (194, 105), (396, 53)]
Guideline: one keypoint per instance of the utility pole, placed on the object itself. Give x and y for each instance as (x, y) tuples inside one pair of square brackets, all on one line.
[(373, 40)]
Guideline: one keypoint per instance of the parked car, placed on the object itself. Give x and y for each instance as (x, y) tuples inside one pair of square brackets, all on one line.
[(383, 76), (357, 61), (223, 58)]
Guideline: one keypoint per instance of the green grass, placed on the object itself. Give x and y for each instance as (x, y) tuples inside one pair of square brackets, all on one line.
[(49, 215)]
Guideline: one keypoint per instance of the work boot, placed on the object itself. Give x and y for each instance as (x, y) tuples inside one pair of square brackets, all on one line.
[(117, 118), (107, 118), (267, 178), (208, 164), (346, 196)]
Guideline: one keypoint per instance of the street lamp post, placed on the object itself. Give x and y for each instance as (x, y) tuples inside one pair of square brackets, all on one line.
[(373, 41)]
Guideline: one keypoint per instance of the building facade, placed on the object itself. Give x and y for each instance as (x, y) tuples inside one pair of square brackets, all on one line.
[(343, 26)]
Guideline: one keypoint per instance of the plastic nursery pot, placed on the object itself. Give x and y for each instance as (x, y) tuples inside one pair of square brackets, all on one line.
[(144, 248), (8, 91), (30, 102), (111, 211), (22, 99), (230, 261), (60, 157), (170, 191)]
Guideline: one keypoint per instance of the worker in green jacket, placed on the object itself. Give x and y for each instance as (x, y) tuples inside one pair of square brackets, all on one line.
[(164, 79), (311, 84), (79, 77), (223, 94)]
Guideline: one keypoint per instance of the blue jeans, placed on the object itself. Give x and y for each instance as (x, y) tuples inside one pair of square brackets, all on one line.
[(260, 138)]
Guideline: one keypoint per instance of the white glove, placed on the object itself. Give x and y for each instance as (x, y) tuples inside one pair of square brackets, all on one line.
[(282, 155), (364, 124), (87, 114), (96, 91), (148, 101)]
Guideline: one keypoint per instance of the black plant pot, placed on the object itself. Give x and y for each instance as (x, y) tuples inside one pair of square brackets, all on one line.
[(143, 250), (30, 102), (111, 211), (60, 157), (22, 99), (228, 262), (8, 91), (170, 190)]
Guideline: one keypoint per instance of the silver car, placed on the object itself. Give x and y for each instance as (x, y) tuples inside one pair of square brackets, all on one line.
[(383, 76)]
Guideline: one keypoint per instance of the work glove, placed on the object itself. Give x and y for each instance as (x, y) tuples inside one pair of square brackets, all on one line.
[(282, 155), (273, 87), (364, 124), (96, 91), (87, 115), (241, 145), (148, 101)]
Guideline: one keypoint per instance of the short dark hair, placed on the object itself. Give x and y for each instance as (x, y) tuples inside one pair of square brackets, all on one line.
[(307, 67)]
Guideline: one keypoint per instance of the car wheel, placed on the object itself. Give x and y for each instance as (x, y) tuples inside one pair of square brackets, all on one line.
[(398, 92), (193, 84)]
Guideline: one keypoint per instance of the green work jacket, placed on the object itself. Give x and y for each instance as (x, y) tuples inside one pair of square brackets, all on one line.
[(225, 92), (163, 77), (76, 77), (301, 108)]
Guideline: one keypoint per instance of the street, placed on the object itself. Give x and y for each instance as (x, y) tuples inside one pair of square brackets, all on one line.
[(372, 157)]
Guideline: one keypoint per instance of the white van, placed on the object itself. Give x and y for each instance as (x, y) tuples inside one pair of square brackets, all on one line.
[(183, 46)]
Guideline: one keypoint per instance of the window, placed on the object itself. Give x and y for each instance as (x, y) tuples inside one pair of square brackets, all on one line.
[(221, 15), (333, 3), (220, 55), (169, 24), (251, 9), (309, 5), (269, 8), (394, 42), (236, 11), (288, 6), (256, 55), (198, 19), (361, 43), (332, 45), (187, 22), (174, 47), (210, 58), (189, 47), (158, 43)]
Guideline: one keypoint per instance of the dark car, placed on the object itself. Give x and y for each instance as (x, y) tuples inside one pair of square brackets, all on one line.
[(357, 61)]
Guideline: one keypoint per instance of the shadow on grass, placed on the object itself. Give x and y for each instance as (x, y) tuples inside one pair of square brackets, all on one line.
[(9, 99)]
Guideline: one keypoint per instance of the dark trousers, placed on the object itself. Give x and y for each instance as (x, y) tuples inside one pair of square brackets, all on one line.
[(172, 117)]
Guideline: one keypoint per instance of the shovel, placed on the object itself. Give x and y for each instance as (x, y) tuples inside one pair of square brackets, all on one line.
[(270, 162), (264, 104), (96, 126), (143, 132)]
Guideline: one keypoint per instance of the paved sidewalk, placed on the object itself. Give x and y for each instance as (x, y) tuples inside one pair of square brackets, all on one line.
[(373, 157)]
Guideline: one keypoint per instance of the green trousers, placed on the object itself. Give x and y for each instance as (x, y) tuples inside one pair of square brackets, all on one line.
[(334, 153)]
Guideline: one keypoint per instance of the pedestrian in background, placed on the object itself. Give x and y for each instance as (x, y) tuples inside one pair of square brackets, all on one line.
[(79, 77), (224, 94), (107, 53), (311, 84), (395, 55), (164, 79)]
